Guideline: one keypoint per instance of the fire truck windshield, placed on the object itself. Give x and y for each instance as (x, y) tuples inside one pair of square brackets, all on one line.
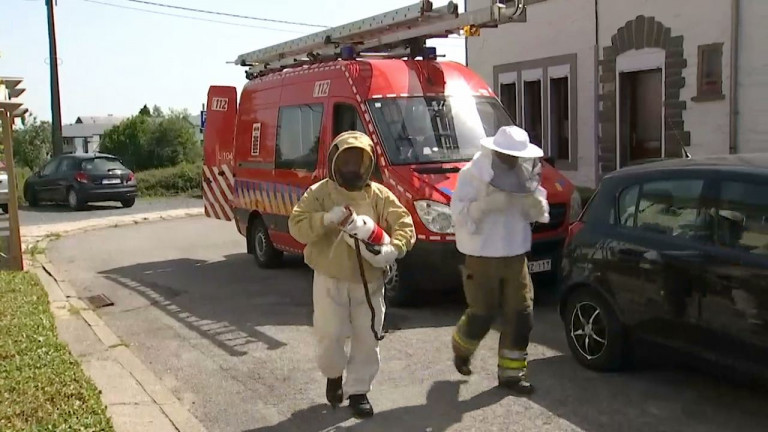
[(420, 130)]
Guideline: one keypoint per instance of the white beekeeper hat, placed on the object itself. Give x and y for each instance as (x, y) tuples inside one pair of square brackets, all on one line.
[(514, 141)]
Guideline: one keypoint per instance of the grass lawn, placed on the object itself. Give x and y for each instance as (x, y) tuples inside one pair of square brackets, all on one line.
[(42, 386)]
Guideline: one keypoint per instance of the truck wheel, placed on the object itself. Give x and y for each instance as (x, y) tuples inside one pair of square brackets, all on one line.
[(594, 332), (398, 292), (263, 250)]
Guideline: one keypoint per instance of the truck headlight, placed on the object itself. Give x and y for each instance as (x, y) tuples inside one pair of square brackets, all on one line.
[(575, 209), (435, 216)]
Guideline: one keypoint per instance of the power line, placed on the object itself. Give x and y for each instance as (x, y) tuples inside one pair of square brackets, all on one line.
[(226, 14), (192, 18)]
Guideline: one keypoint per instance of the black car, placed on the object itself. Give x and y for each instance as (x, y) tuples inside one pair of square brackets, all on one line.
[(79, 179), (672, 252)]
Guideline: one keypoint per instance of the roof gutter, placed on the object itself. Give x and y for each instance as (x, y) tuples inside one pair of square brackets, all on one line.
[(734, 89)]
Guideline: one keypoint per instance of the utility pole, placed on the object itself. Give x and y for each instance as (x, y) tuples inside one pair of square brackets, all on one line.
[(58, 145), (10, 109)]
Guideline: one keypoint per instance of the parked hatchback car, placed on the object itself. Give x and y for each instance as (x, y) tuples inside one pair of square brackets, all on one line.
[(674, 252), (4, 189), (79, 179)]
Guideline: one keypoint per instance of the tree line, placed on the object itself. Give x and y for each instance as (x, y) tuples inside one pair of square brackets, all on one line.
[(148, 140)]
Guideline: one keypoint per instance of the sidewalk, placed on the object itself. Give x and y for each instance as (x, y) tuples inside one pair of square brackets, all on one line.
[(136, 399)]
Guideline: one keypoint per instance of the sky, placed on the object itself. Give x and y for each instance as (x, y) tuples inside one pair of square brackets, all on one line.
[(117, 55)]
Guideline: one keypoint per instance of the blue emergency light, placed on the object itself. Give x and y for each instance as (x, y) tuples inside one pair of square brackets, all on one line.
[(348, 52)]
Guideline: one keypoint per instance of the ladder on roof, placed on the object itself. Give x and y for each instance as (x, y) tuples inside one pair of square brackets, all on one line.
[(398, 33)]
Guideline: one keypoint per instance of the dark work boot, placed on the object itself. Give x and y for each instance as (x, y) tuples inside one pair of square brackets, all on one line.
[(333, 391), (360, 405), (462, 364), (519, 385)]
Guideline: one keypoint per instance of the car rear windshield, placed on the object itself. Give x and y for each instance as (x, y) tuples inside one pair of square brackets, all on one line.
[(102, 164)]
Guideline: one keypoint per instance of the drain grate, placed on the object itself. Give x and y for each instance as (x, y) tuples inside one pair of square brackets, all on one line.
[(99, 301)]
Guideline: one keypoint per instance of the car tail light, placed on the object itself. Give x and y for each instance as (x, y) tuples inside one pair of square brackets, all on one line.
[(573, 229), (131, 176), (81, 177)]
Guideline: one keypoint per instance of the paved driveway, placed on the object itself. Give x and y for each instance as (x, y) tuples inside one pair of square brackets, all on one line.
[(234, 345)]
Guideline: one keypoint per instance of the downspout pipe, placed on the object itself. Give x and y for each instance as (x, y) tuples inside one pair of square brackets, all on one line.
[(597, 94), (734, 89)]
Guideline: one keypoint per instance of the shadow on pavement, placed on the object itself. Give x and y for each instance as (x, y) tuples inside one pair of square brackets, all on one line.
[(227, 301), (442, 410), (661, 398)]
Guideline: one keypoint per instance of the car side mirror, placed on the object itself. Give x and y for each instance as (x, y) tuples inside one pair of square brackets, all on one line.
[(38, 173), (549, 160)]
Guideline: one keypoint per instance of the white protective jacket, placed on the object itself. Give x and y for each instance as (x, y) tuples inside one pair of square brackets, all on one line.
[(501, 233)]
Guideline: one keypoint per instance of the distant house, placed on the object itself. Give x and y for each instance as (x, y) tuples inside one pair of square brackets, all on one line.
[(84, 134)]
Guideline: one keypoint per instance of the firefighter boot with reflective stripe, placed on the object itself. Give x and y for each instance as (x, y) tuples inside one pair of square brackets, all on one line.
[(361, 406), (513, 371), (519, 385), (462, 364), (333, 391)]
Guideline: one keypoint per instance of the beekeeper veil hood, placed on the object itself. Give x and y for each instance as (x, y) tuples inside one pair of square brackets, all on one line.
[(515, 160), (351, 160)]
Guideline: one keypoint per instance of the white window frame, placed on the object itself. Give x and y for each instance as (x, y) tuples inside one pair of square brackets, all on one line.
[(555, 72), (634, 61)]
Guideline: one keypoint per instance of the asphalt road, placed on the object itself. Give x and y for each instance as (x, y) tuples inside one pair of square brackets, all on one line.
[(234, 344), (53, 214)]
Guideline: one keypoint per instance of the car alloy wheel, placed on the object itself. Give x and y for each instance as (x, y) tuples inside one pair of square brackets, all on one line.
[(588, 330), (391, 283)]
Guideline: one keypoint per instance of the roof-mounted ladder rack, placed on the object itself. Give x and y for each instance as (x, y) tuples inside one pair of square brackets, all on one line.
[(405, 28)]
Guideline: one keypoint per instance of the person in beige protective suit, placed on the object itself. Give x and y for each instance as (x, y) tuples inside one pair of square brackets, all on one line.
[(341, 306), (498, 195)]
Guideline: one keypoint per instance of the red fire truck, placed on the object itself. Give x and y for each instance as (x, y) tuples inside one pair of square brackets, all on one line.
[(377, 76)]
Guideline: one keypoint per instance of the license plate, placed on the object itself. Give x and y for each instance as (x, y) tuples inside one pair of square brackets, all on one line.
[(111, 181), (539, 266)]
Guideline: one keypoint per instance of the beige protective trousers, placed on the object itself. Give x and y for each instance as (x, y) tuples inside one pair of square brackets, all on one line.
[(493, 285), (341, 312)]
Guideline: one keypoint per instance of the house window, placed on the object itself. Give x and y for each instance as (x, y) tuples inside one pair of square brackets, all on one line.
[(559, 119), (532, 111), (709, 84), (508, 93), (298, 137), (540, 96)]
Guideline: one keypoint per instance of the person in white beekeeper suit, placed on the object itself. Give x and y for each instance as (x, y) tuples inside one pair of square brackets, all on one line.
[(498, 195), (340, 303)]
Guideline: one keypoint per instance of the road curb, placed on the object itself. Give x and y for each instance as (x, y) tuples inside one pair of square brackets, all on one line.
[(63, 299)]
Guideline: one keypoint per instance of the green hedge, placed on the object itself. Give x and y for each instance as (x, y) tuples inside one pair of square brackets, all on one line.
[(42, 385), (184, 179)]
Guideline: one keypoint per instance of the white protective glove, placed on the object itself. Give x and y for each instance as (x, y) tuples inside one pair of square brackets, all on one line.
[(387, 254), (335, 216), (537, 208)]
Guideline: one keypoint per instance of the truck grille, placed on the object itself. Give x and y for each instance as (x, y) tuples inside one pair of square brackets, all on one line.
[(557, 214)]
